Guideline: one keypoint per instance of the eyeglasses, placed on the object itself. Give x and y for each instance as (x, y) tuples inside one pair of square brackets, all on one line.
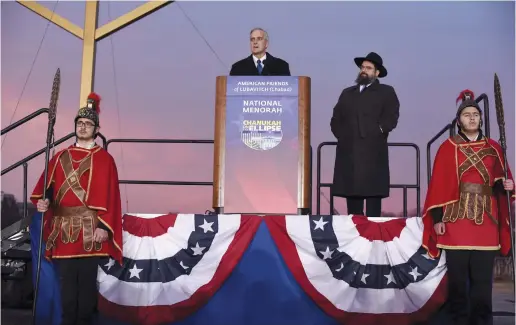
[(88, 125), (469, 115)]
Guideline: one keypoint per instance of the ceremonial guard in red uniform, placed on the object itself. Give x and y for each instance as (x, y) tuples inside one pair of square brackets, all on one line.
[(466, 214), (83, 215)]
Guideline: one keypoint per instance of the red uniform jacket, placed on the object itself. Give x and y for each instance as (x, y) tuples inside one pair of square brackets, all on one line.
[(453, 167), (97, 190)]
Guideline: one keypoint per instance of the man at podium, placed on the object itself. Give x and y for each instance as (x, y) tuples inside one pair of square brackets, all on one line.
[(260, 62), (362, 119)]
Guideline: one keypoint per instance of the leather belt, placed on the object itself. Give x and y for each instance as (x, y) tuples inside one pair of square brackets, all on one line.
[(68, 221)]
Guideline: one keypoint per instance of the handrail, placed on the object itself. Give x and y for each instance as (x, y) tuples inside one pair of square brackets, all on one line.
[(449, 127), (25, 167), (177, 183), (41, 151), (37, 153), (172, 141), (405, 187), (25, 172), (104, 140), (183, 183), (487, 128), (146, 182), (24, 120)]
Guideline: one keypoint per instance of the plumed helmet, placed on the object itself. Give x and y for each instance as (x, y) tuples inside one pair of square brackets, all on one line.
[(467, 99), (92, 109)]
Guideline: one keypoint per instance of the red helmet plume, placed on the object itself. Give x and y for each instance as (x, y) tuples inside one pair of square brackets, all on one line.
[(465, 95), (94, 98), (92, 109)]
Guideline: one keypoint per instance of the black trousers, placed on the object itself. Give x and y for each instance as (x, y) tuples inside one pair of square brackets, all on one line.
[(470, 286), (373, 206), (78, 283)]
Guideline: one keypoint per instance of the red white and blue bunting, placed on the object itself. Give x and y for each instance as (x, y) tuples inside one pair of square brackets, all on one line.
[(356, 269)]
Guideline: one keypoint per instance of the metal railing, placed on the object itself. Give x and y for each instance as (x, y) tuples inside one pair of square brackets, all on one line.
[(451, 129), (25, 160), (405, 187), (106, 144), (487, 129), (24, 163), (170, 141), (24, 120), (36, 154), (183, 183)]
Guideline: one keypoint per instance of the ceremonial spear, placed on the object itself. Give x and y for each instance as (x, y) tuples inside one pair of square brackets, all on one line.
[(501, 124), (52, 108)]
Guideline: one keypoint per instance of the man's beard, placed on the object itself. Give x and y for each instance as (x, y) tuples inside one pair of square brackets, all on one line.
[(364, 79)]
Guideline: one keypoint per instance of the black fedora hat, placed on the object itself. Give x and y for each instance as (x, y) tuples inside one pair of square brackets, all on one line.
[(376, 59)]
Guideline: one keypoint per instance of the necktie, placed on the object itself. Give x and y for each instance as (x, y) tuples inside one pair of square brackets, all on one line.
[(259, 66)]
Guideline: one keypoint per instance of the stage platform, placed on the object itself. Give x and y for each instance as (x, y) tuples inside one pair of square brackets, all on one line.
[(244, 269)]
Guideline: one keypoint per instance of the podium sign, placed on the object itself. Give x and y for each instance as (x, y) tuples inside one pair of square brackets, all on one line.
[(261, 135)]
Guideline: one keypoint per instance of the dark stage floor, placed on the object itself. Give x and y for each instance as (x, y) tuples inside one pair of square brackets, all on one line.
[(503, 305)]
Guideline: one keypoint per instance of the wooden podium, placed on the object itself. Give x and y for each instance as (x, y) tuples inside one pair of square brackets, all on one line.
[(262, 145)]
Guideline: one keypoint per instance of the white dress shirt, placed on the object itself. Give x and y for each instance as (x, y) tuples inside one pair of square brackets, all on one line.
[(361, 86), (255, 59)]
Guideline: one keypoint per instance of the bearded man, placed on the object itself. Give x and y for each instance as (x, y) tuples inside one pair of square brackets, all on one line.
[(82, 216), (466, 214), (362, 119)]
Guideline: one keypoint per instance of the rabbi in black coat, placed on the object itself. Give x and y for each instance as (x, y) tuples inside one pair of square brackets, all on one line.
[(362, 119), (260, 62)]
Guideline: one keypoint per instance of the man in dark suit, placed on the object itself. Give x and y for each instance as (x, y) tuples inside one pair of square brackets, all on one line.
[(362, 119), (260, 62)]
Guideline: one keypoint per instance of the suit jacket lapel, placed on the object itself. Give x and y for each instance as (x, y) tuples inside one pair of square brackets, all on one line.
[(265, 70), (267, 64), (251, 66), (372, 87)]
